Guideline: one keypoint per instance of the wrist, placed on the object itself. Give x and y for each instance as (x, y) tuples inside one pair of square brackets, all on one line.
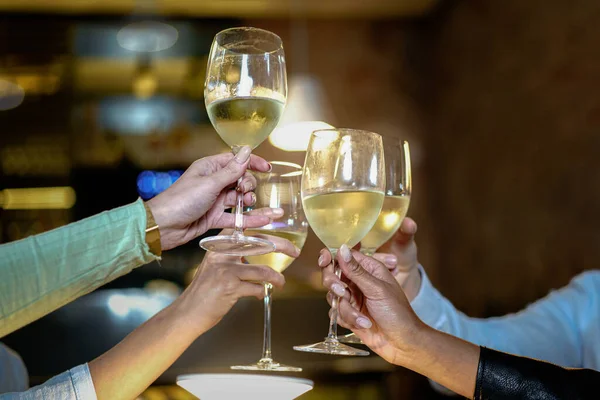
[(412, 284), (411, 347), (191, 318), (160, 215)]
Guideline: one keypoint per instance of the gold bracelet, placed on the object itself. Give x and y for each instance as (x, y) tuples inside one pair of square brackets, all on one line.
[(152, 233)]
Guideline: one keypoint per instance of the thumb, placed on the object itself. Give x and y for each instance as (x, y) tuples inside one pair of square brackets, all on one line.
[(354, 271), (234, 169)]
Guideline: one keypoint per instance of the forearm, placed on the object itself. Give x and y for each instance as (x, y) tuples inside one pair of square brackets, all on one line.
[(43, 272), (537, 331), (445, 359), (503, 376), (130, 367)]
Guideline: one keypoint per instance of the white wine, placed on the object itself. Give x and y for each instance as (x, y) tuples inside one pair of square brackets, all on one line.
[(342, 217), (277, 261), (245, 121), (392, 213)]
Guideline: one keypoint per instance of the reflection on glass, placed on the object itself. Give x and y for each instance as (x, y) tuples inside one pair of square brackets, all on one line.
[(395, 205), (279, 188), (342, 191), (245, 94)]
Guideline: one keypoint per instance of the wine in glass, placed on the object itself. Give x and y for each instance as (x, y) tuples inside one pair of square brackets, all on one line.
[(245, 93), (278, 188), (343, 185), (398, 187)]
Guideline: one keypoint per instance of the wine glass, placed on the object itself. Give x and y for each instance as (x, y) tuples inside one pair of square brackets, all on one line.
[(398, 187), (278, 188), (245, 93), (343, 185)]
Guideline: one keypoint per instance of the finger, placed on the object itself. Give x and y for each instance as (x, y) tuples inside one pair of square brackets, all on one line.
[(390, 260), (248, 183), (227, 220), (259, 273), (273, 213), (249, 289), (340, 321), (366, 281), (230, 199), (328, 277), (233, 170), (373, 266), (256, 163), (259, 164), (330, 281), (214, 258), (324, 258), (331, 296), (352, 316), (409, 226), (282, 245), (403, 236)]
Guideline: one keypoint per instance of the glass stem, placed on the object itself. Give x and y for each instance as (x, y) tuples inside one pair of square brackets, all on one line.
[(332, 335), (239, 210), (266, 354)]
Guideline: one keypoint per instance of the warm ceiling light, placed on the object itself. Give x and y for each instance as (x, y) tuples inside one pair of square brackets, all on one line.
[(304, 113), (11, 95), (144, 84), (50, 198), (244, 386), (295, 136), (147, 36)]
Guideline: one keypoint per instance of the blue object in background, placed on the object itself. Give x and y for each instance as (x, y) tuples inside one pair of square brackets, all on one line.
[(152, 183)]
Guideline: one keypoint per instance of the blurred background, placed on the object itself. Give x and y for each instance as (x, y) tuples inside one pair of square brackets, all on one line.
[(499, 100)]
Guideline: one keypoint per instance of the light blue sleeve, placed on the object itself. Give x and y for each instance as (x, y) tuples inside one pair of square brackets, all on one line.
[(13, 374), (75, 384), (44, 272), (550, 329)]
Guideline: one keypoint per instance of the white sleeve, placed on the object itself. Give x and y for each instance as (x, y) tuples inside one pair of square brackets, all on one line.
[(13, 374), (75, 384)]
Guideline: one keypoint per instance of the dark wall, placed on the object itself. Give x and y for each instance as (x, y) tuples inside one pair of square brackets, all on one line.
[(512, 107)]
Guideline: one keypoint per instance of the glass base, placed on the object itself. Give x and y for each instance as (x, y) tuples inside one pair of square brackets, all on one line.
[(266, 364), (237, 245), (350, 338), (331, 346)]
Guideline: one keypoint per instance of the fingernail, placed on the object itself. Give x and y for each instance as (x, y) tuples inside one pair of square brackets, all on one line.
[(320, 261), (297, 250), (247, 186), (277, 211), (243, 155), (253, 198), (364, 322), (391, 261), (338, 289), (270, 167), (345, 252)]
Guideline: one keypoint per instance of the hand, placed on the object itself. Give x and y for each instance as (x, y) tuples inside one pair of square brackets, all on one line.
[(197, 201), (220, 281), (399, 255), (375, 308)]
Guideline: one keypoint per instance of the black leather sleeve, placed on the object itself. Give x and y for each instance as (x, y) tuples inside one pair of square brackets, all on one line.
[(503, 376)]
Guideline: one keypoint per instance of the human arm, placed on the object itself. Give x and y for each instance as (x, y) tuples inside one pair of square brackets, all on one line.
[(396, 333), (43, 272), (127, 369), (552, 329)]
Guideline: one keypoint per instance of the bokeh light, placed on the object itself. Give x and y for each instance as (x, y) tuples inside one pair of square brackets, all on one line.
[(152, 183)]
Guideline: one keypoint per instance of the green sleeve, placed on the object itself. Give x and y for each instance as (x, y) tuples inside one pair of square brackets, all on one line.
[(44, 272)]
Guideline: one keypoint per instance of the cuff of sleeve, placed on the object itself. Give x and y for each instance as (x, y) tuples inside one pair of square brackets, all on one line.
[(427, 303), (140, 210), (82, 383)]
